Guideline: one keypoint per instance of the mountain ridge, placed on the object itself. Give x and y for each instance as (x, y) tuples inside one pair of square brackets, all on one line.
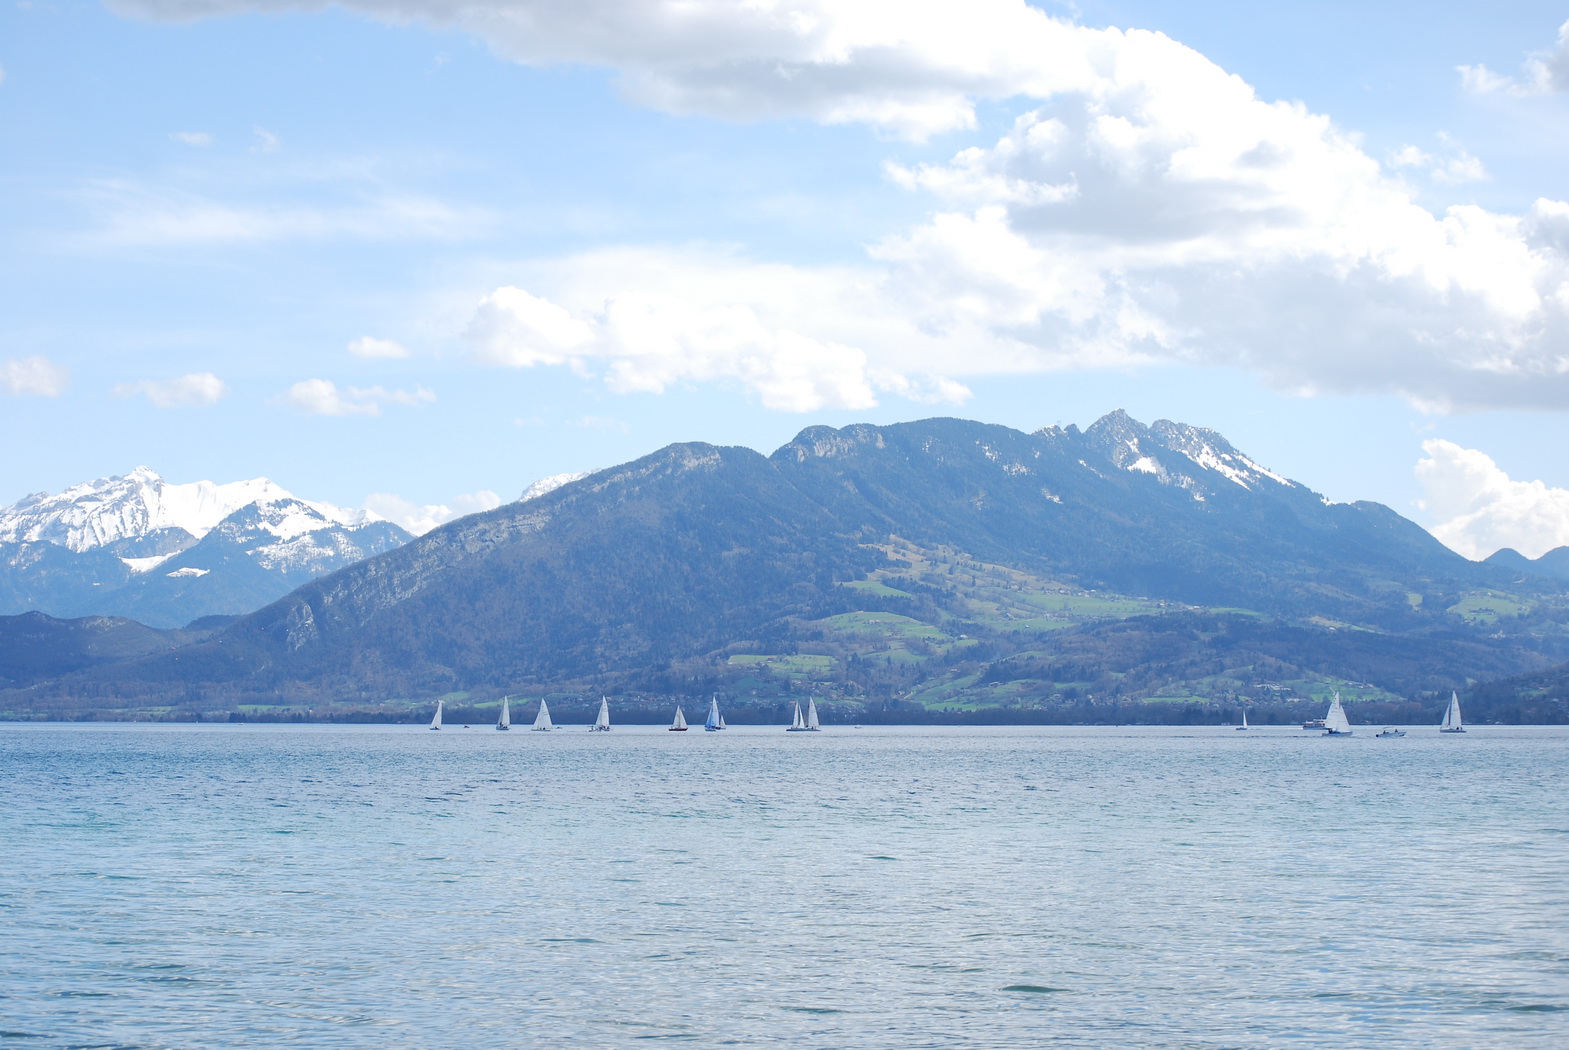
[(699, 567)]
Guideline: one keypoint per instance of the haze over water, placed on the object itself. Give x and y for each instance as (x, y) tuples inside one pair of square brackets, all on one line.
[(198, 886)]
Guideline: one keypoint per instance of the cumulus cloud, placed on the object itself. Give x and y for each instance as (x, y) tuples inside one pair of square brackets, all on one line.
[(321, 397), (35, 375), (197, 388), (1170, 214), (420, 519), (192, 138), (1544, 72), (1479, 509), (367, 346), (646, 320)]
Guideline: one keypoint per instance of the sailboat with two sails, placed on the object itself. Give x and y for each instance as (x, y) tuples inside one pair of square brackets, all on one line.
[(1335, 721), (504, 723), (542, 722), (1452, 723), (716, 721), (602, 723), (679, 725)]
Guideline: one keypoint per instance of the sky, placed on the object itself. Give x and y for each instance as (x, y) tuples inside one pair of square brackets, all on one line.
[(415, 255)]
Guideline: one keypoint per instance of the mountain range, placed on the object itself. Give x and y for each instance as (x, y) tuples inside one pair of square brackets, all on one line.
[(164, 554), (928, 568)]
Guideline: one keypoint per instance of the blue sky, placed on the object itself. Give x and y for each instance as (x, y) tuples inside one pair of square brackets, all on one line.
[(387, 252)]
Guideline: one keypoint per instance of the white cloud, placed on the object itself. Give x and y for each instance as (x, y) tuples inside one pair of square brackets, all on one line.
[(649, 342), (367, 346), (33, 375), (647, 320), (321, 397), (1479, 509), (197, 388), (1455, 166), (266, 141), (192, 138), (421, 519), (1169, 214), (1543, 73)]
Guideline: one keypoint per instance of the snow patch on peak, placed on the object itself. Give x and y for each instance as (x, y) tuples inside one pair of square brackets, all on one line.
[(288, 517), (545, 486), (1145, 465), (1213, 452)]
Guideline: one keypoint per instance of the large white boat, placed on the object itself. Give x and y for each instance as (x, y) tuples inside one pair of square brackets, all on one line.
[(505, 721), (1335, 721), (602, 723), (1452, 720), (542, 722), (435, 723)]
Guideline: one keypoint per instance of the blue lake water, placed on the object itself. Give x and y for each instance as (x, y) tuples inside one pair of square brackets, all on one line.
[(211, 886)]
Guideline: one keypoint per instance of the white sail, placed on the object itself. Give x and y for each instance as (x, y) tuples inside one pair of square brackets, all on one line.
[(680, 720), (602, 723), (722, 722), (715, 720), (1453, 723), (435, 723), (542, 722), (1244, 724), (505, 721), (797, 724), (1335, 721), (811, 714)]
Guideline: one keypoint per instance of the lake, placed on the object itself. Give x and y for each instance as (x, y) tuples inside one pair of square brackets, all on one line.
[(387, 886)]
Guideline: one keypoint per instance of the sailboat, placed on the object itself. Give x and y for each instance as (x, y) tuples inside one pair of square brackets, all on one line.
[(505, 721), (716, 721), (602, 723), (542, 722), (435, 723), (797, 723), (678, 726), (1452, 721), (803, 723), (1335, 721), (1244, 724)]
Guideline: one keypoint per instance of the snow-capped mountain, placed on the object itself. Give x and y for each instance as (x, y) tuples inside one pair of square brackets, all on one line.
[(125, 511), (136, 545)]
